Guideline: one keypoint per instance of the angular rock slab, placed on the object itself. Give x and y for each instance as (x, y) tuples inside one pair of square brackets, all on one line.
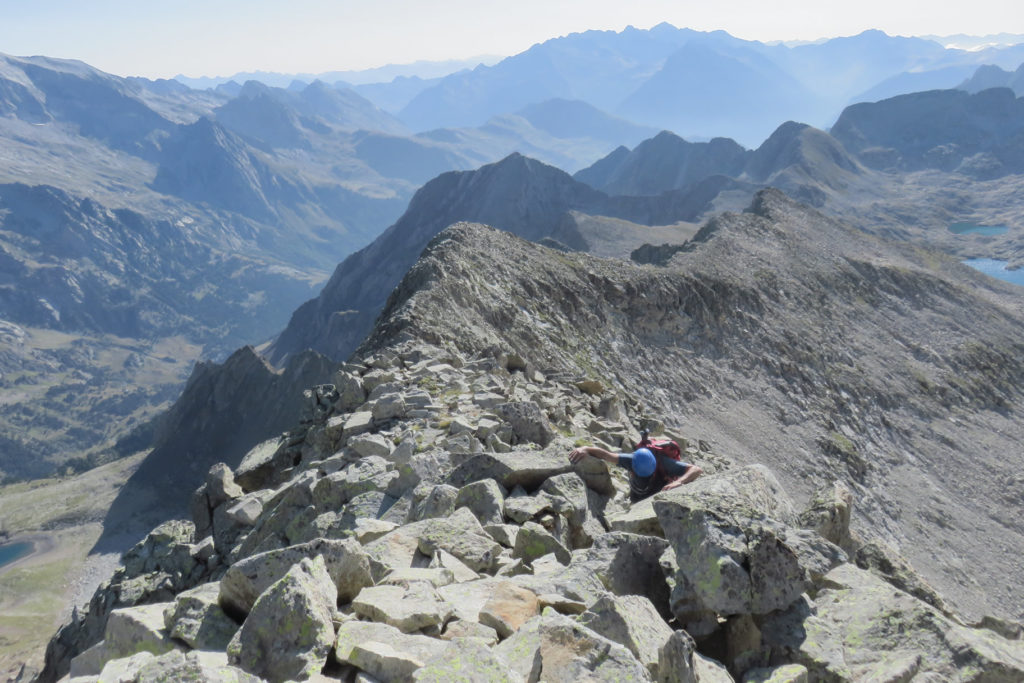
[(383, 651), (632, 621), (862, 628), (560, 650), (508, 608), (460, 534), (534, 541), (407, 608), (198, 619), (290, 630), (485, 500), (347, 564), (528, 469), (138, 629), (209, 667), (465, 661)]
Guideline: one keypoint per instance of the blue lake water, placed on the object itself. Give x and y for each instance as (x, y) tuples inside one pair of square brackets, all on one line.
[(14, 551), (997, 269), (975, 229)]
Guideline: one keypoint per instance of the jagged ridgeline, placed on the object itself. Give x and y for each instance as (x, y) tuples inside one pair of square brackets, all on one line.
[(422, 521)]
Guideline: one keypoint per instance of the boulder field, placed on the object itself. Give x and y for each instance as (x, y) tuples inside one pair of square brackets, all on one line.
[(423, 523)]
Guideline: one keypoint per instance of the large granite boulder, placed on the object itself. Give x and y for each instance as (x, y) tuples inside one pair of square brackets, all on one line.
[(630, 620), (290, 630), (346, 562), (862, 628), (728, 532), (198, 620)]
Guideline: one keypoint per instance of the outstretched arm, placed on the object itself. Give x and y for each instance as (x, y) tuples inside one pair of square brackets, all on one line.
[(692, 472), (577, 454)]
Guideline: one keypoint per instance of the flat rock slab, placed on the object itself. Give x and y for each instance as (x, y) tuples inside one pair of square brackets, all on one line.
[(528, 469), (461, 535), (465, 661), (408, 608), (383, 651)]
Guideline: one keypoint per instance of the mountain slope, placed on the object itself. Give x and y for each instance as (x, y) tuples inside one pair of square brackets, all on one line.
[(788, 339)]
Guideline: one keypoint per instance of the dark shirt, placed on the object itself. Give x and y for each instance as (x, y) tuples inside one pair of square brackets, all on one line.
[(643, 487)]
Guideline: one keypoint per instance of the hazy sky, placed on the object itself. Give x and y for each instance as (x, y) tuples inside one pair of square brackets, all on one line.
[(221, 37)]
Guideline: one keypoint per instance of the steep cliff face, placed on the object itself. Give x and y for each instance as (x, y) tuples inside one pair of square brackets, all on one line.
[(792, 340)]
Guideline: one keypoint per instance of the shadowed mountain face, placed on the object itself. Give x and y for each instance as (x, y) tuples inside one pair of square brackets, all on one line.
[(980, 135), (788, 339), (224, 409)]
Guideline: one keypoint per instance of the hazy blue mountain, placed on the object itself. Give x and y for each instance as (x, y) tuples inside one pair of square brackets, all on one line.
[(702, 89), (426, 69), (697, 84), (264, 120), (980, 135), (97, 105), (916, 81), (577, 119), (991, 76), (395, 94), (662, 163)]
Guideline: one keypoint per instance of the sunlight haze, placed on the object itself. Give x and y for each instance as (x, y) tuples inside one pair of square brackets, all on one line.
[(161, 40)]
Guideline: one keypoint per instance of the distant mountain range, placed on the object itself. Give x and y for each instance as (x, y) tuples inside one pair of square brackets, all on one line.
[(208, 216)]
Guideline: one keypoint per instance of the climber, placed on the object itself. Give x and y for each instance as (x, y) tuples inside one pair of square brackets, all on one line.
[(648, 473)]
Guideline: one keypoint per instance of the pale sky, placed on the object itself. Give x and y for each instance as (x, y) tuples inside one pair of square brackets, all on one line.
[(159, 39)]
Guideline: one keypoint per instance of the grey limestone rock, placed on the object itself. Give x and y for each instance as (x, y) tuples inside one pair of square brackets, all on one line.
[(430, 501), (365, 445), (528, 422), (209, 667), (534, 541), (676, 659), (461, 535), (828, 513), (220, 485), (290, 630), (558, 649)]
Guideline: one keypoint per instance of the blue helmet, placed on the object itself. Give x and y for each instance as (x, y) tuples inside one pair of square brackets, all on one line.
[(644, 462)]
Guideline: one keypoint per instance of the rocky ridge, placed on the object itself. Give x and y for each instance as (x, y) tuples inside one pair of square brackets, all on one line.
[(423, 522)]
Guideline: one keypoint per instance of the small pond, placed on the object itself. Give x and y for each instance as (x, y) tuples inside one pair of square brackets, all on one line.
[(997, 268), (14, 551), (976, 229)]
